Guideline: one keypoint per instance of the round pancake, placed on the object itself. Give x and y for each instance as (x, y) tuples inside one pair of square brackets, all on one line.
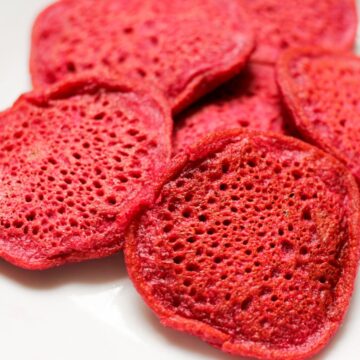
[(77, 161), (252, 245), (322, 92), (280, 24), (250, 101), (185, 47)]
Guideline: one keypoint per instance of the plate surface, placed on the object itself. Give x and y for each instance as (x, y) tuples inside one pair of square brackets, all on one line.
[(91, 311)]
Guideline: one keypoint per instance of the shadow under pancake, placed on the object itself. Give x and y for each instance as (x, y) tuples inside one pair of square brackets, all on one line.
[(191, 343), (89, 272)]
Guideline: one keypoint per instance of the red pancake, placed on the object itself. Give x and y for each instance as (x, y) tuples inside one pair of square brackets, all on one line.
[(322, 92), (170, 43), (250, 100), (77, 161), (252, 245), (279, 24)]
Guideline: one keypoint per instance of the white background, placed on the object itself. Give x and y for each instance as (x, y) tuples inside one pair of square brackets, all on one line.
[(91, 311)]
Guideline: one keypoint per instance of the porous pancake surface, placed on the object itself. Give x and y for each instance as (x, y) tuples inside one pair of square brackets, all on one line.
[(186, 47), (250, 100), (322, 91), (76, 161), (281, 24), (252, 245)]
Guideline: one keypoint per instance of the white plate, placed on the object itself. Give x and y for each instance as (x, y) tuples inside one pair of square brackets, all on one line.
[(91, 311)]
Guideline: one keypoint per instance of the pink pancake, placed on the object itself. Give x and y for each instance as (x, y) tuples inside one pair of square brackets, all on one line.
[(281, 24), (185, 47), (249, 101), (77, 161)]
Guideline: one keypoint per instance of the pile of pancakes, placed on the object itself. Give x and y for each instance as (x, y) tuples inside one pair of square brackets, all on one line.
[(215, 141)]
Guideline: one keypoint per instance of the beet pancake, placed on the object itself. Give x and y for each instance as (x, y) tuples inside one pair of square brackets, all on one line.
[(322, 92), (186, 47), (280, 24), (77, 160), (250, 100), (252, 245)]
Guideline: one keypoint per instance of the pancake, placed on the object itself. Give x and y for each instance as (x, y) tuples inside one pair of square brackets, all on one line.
[(252, 245), (281, 24), (250, 100), (322, 92), (77, 161), (185, 47)]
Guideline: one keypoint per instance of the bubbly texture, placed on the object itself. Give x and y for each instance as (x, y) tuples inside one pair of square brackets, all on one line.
[(76, 161), (280, 24), (249, 101), (252, 245), (171, 43), (322, 92)]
